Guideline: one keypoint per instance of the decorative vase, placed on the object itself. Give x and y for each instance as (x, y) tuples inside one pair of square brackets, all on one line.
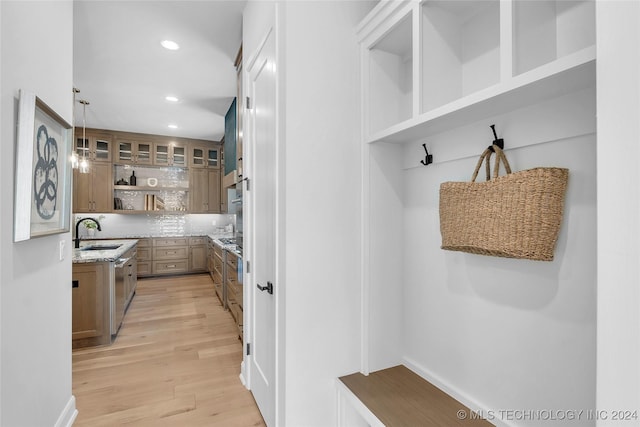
[(91, 232)]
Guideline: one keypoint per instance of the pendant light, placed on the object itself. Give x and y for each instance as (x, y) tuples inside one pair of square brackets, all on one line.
[(75, 161), (84, 164)]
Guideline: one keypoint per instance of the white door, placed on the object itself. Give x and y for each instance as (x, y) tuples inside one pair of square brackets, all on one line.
[(262, 113)]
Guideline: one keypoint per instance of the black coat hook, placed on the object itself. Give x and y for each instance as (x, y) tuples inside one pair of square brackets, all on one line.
[(428, 158), (496, 141)]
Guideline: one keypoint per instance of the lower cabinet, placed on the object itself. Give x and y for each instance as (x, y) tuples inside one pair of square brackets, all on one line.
[(159, 256), (234, 290), (218, 274), (144, 257), (90, 319), (197, 254)]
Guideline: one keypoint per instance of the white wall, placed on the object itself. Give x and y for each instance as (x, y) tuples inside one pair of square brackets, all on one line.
[(35, 302), (618, 44), (496, 333), (322, 205)]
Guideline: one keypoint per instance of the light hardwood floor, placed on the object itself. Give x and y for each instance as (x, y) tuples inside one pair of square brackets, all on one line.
[(175, 362)]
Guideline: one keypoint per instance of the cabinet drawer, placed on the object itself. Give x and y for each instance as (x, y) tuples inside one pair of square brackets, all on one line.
[(232, 274), (232, 260), (237, 314), (217, 265), (237, 288), (144, 268), (144, 254), (218, 288), (231, 293), (170, 267), (195, 241), (217, 278), (170, 253), (177, 241)]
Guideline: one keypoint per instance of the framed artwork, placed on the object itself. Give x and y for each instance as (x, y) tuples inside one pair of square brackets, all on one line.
[(42, 197)]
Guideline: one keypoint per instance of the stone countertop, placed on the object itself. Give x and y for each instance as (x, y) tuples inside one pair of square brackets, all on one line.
[(104, 255), (231, 247), (168, 235)]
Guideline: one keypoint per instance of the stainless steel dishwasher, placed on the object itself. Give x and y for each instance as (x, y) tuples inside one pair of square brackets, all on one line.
[(118, 295)]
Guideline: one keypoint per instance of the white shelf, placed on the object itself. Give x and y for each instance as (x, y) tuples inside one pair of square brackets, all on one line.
[(567, 75), (432, 66), (460, 49), (390, 76)]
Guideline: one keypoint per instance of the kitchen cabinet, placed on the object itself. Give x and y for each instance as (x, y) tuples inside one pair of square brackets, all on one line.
[(90, 322), (170, 256), (92, 192), (197, 254), (95, 146), (170, 154), (218, 274), (204, 191), (234, 290), (133, 153), (204, 157), (143, 257), (174, 255)]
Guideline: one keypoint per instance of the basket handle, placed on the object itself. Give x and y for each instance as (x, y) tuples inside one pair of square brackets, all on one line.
[(486, 157)]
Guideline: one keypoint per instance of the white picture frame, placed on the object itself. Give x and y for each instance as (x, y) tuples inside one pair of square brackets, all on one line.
[(42, 196)]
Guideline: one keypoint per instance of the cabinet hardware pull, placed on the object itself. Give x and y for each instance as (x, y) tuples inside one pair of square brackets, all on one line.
[(75, 284), (171, 266)]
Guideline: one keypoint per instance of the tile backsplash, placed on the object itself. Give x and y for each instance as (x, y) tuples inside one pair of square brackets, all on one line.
[(141, 225)]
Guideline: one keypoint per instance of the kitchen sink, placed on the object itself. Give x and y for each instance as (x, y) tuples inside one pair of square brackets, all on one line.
[(100, 247)]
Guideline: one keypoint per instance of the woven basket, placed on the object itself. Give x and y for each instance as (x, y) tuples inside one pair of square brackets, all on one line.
[(517, 215)]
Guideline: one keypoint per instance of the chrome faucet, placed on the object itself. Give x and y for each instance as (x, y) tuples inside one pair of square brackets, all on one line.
[(77, 239)]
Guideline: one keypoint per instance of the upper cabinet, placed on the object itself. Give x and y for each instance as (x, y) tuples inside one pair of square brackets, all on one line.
[(431, 66), (201, 156), (94, 146), (133, 153), (170, 154)]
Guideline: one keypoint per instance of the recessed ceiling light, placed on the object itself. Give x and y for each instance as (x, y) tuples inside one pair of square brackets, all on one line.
[(170, 44), (172, 126), (171, 98)]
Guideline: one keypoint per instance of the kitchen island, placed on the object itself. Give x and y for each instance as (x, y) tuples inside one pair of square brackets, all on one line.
[(104, 280)]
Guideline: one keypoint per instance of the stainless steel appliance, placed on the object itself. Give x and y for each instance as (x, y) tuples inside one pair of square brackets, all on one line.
[(118, 295), (238, 203), (125, 282)]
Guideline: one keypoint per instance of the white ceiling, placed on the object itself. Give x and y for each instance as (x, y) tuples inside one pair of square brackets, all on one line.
[(123, 72)]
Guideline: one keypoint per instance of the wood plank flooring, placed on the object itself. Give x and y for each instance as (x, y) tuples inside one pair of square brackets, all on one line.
[(175, 362)]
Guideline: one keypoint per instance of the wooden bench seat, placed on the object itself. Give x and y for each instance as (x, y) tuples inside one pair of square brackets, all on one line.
[(398, 397)]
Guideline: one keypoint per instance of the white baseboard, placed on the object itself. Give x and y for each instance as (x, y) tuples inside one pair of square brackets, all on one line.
[(68, 415), (242, 376)]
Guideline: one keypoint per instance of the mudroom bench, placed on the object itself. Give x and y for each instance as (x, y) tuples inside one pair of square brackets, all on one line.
[(396, 397)]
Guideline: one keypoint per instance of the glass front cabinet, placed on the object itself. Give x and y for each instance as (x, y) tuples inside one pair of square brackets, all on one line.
[(135, 153), (93, 147), (205, 157)]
